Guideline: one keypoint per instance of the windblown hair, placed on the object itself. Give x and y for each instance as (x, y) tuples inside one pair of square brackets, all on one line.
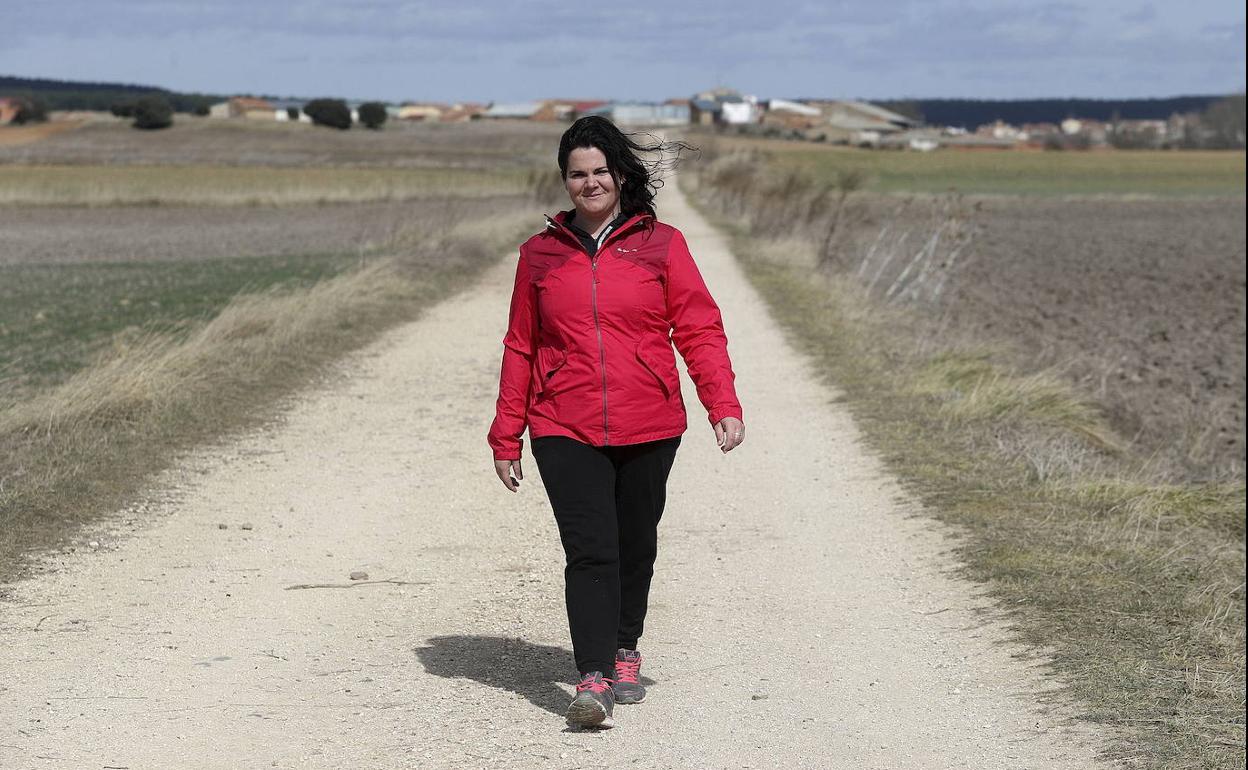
[(638, 167)]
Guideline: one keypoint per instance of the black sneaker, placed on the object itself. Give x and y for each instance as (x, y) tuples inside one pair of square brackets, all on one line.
[(593, 703), (627, 670)]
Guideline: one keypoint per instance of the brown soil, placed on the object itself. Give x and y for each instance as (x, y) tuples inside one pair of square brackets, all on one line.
[(238, 142), (1142, 301), (11, 136), (39, 235)]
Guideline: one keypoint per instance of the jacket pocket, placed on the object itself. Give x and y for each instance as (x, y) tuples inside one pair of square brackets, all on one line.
[(659, 370), (549, 362)]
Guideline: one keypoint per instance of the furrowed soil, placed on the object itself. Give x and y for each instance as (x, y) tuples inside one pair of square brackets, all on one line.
[(74, 234), (1141, 302), (802, 615)]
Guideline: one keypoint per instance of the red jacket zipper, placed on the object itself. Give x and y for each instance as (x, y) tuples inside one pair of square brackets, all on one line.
[(593, 299)]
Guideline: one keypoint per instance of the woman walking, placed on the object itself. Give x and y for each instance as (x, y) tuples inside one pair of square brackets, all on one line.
[(600, 297)]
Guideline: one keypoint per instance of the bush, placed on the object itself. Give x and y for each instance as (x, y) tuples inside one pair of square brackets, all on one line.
[(292, 113), (152, 112), (329, 112), (373, 114), (31, 110), (122, 109), (201, 110)]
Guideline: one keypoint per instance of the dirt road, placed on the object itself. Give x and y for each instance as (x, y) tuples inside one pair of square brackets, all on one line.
[(802, 616)]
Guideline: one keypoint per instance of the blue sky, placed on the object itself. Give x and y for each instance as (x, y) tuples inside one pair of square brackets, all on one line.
[(503, 51)]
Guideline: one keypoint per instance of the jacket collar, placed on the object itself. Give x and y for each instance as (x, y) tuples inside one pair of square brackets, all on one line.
[(559, 223)]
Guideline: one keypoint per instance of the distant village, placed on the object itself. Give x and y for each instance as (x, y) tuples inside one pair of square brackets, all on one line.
[(836, 121)]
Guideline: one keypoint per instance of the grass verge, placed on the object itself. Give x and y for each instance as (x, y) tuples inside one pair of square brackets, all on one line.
[(78, 450), (55, 317), (1135, 588), (1159, 173)]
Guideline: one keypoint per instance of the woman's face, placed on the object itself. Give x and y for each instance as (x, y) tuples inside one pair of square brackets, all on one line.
[(592, 188)]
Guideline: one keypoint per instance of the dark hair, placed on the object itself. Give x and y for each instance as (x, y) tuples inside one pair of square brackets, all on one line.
[(638, 166)]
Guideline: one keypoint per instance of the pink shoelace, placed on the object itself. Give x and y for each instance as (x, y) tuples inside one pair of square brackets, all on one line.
[(594, 684), (627, 670)]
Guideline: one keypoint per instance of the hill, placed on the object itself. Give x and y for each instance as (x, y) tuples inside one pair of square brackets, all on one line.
[(76, 95), (976, 112)]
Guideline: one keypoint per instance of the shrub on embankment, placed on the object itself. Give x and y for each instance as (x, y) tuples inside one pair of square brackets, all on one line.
[(1133, 587)]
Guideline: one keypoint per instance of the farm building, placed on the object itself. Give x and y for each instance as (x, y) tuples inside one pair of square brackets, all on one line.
[(427, 111), (8, 109), (859, 122), (247, 107), (723, 106), (554, 109), (283, 107), (513, 111), (642, 114), (791, 115), (462, 113)]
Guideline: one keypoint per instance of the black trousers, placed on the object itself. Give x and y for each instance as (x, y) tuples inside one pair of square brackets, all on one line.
[(607, 503)]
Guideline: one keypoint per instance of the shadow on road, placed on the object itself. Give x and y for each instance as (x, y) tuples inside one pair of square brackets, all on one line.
[(531, 670)]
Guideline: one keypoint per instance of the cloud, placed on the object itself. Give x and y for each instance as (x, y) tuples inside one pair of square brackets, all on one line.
[(642, 49)]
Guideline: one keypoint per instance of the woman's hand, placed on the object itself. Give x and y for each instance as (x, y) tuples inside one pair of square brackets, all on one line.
[(729, 432), (504, 470)]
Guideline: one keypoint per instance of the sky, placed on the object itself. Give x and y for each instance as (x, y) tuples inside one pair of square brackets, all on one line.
[(516, 50)]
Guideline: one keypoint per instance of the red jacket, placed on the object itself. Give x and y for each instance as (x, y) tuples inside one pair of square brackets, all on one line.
[(588, 349)]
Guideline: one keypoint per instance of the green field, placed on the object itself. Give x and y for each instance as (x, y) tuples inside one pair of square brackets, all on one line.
[(55, 318), (1017, 172)]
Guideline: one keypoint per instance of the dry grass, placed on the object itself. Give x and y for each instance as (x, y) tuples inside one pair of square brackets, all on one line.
[(1135, 586), (107, 185), (82, 448), (11, 135)]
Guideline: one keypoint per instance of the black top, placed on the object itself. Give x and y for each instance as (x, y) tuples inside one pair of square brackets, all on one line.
[(588, 242)]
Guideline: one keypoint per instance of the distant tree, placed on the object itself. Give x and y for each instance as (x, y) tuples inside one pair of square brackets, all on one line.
[(152, 112), (292, 113), (329, 112), (373, 114), (1123, 138), (31, 109), (1224, 122)]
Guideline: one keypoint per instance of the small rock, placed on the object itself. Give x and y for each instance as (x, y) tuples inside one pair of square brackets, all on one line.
[(759, 696), (246, 525), (223, 525), (359, 574), (93, 544)]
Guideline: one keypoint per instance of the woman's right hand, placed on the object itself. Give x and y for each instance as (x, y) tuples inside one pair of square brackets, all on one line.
[(504, 470)]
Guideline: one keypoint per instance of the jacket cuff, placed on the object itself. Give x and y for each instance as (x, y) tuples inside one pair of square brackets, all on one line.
[(721, 412), (509, 453)]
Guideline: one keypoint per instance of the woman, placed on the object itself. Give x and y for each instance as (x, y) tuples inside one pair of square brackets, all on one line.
[(600, 296)]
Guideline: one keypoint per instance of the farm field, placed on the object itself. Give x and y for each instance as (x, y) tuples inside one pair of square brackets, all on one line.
[(207, 142), (133, 185), (1136, 174), (1141, 303), (118, 255)]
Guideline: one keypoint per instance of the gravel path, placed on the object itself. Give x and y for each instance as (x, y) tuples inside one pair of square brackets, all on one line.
[(802, 616)]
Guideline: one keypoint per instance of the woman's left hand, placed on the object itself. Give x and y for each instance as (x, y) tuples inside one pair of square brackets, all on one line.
[(729, 432)]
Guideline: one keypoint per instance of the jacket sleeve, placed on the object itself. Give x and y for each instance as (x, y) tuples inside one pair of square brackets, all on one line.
[(519, 345), (698, 332)]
